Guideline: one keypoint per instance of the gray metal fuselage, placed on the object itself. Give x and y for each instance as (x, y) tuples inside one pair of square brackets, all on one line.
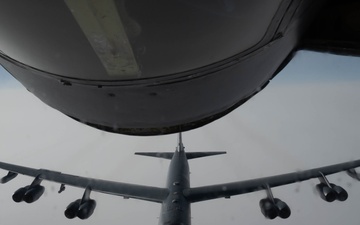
[(175, 210)]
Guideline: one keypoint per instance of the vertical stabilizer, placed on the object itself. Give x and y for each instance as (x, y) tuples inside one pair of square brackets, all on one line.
[(180, 146)]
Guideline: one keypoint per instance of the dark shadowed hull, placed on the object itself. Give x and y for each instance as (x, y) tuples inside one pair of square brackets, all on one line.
[(190, 62)]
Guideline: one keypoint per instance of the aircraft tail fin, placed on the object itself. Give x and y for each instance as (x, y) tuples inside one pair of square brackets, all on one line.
[(169, 155)]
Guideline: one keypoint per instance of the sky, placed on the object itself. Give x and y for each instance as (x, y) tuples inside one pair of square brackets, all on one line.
[(306, 117)]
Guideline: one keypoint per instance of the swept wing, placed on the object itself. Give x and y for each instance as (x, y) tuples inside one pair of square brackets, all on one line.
[(154, 194), (236, 188)]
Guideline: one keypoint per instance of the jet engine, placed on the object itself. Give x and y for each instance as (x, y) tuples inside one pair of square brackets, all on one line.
[(283, 209), (268, 208), (353, 174), (329, 191), (83, 210), (273, 208), (28, 193), (8, 177), (86, 209), (326, 193), (18, 196), (72, 209), (341, 193)]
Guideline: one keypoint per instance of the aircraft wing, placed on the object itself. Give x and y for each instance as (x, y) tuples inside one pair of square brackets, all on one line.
[(236, 188), (147, 193)]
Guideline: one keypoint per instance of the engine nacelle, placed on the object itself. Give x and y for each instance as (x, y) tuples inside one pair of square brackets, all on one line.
[(82, 210), (326, 193), (268, 208), (18, 196), (72, 209), (8, 177), (28, 194), (86, 209), (341, 193), (283, 209), (33, 194), (352, 173)]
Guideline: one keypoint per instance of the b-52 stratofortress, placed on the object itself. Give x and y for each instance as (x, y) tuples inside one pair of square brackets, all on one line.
[(178, 195)]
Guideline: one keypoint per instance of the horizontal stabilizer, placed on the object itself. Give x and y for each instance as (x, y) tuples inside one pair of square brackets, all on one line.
[(169, 155), (194, 155), (164, 155)]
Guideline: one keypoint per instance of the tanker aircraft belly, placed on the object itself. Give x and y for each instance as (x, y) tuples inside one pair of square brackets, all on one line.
[(125, 66)]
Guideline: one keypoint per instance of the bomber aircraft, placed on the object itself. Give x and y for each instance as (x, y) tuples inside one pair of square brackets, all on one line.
[(178, 195)]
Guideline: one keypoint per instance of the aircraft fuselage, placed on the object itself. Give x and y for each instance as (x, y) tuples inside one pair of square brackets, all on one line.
[(179, 67), (176, 209)]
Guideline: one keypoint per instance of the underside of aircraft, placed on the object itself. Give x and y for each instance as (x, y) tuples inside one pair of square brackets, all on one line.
[(146, 68), (178, 195), (142, 67)]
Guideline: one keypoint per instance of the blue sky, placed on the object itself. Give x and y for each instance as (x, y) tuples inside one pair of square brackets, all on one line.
[(306, 117), (320, 67), (6, 80)]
